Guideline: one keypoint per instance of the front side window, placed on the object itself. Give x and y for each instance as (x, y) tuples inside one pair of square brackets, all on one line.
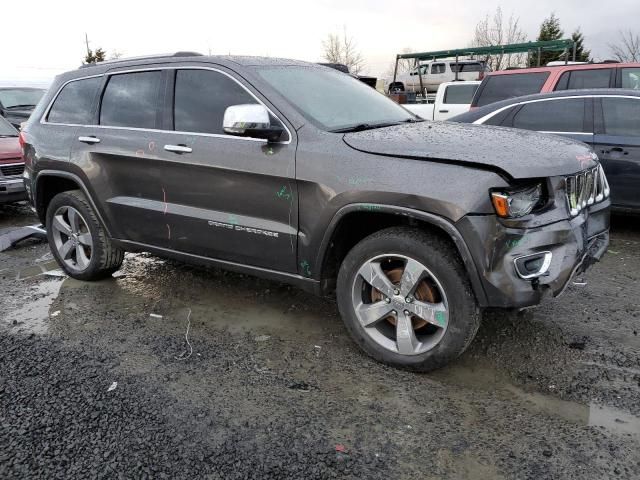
[(75, 102), (332, 100), (201, 98), (631, 78), (501, 87), (561, 115), (460, 94), (132, 100), (621, 116)]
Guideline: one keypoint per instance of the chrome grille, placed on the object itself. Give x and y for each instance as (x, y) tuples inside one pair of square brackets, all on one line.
[(12, 169), (586, 188)]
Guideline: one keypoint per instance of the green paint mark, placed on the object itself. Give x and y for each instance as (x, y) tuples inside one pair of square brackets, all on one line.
[(306, 269), (440, 318), (371, 208), (284, 193), (233, 220)]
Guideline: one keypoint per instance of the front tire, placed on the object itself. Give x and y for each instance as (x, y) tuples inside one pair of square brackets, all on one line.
[(405, 298), (77, 239)]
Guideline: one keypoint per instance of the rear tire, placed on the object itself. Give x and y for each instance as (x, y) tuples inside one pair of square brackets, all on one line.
[(423, 314), (77, 239)]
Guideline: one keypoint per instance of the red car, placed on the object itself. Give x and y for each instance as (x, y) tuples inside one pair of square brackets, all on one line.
[(506, 84), (11, 165)]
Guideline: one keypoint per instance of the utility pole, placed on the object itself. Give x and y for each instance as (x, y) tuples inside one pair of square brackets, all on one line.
[(86, 39)]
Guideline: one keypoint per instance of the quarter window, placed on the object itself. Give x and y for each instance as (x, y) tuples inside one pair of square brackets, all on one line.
[(74, 104), (201, 98), (621, 116), (631, 78), (460, 94), (501, 87), (132, 100), (562, 115)]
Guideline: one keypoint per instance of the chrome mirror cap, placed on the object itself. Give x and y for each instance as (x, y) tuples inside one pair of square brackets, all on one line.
[(238, 119)]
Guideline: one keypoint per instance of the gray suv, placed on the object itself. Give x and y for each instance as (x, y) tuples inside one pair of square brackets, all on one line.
[(299, 173)]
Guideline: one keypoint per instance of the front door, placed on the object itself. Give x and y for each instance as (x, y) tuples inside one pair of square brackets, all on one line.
[(617, 143)]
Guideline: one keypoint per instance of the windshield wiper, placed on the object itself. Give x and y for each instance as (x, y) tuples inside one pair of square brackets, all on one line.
[(365, 126), (8, 136), (20, 106)]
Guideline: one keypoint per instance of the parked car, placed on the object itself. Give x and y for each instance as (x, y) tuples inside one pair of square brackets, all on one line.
[(296, 172), (341, 67), (17, 103), (11, 165), (452, 98), (436, 73), (502, 85), (608, 120)]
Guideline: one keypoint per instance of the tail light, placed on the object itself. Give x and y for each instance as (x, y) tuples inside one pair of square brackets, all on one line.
[(22, 142)]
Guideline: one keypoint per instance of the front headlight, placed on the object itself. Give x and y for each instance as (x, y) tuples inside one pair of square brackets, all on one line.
[(516, 203)]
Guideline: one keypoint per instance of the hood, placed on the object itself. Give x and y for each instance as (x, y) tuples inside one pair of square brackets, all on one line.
[(10, 149), (516, 153)]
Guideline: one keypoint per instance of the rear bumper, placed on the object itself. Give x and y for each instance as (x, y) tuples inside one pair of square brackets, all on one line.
[(574, 245), (12, 190)]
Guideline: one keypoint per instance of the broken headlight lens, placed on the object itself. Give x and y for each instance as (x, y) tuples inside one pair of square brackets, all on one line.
[(517, 203)]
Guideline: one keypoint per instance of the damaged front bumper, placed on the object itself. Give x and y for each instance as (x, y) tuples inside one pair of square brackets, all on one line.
[(519, 267)]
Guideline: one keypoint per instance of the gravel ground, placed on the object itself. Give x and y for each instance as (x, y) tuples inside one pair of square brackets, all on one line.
[(270, 386)]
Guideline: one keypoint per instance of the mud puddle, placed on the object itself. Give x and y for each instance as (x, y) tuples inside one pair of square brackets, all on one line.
[(34, 315)]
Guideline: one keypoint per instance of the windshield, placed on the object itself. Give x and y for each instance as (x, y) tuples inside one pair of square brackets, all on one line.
[(15, 97), (6, 129), (332, 100)]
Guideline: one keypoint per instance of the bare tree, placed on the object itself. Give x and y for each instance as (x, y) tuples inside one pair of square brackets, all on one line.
[(492, 31), (628, 47), (342, 49), (404, 65), (115, 54)]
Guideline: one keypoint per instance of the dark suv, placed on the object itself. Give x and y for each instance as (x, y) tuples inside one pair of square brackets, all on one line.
[(297, 172)]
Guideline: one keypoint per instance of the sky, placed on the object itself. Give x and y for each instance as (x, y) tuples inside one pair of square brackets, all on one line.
[(42, 38)]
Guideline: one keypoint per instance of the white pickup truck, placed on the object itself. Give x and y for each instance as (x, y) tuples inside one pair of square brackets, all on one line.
[(436, 73), (452, 98)]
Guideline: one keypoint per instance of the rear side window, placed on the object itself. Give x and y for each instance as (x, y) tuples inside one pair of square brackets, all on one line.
[(201, 98), (459, 94), (562, 115), (438, 68), (132, 100), (578, 79), (621, 116), (74, 104), (501, 87), (631, 78), (467, 67)]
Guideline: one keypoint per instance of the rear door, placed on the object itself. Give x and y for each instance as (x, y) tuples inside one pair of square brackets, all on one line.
[(226, 197), (617, 143), (569, 117)]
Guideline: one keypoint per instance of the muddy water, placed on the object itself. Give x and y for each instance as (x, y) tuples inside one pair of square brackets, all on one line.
[(539, 396)]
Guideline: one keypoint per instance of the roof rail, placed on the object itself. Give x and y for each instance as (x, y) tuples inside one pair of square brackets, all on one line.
[(144, 57)]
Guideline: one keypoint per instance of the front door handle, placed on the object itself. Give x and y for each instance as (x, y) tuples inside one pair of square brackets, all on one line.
[(178, 148), (443, 111), (615, 150), (89, 139)]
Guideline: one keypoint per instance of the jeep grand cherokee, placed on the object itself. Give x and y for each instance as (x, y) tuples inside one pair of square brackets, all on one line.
[(296, 172)]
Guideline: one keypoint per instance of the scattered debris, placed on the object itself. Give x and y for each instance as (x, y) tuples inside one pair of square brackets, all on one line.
[(262, 338), (302, 386), (317, 349), (55, 273), (9, 239), (341, 448), (112, 386), (186, 337), (155, 315), (55, 314)]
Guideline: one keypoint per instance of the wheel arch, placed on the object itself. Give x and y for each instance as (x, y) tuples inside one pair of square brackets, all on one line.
[(49, 183), (354, 222)]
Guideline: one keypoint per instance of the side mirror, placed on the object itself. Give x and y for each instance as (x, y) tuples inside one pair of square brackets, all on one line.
[(250, 121)]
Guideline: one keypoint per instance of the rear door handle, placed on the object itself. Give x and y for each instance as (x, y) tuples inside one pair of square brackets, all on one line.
[(89, 139), (443, 111), (178, 148)]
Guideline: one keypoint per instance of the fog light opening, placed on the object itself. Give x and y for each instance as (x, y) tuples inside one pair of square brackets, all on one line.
[(534, 265)]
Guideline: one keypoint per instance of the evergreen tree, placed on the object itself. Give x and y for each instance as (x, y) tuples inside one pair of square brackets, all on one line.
[(549, 30), (94, 57), (582, 54)]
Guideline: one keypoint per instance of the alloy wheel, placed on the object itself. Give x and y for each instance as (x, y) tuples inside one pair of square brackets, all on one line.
[(72, 238)]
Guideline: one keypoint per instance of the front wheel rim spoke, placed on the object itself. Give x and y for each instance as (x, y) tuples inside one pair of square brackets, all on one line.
[(81, 257), (66, 248), (411, 277), (372, 273), (406, 339), (433, 313), (61, 226), (85, 239), (370, 314), (74, 220)]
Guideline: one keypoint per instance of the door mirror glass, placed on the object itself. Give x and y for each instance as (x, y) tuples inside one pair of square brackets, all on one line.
[(250, 121)]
